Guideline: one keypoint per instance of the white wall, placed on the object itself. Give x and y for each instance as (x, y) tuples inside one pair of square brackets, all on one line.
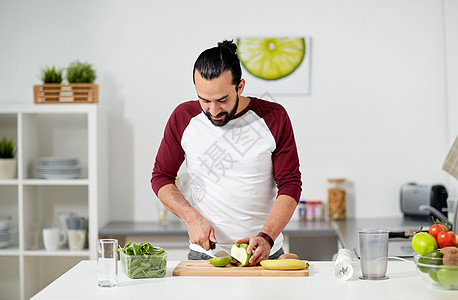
[(378, 112)]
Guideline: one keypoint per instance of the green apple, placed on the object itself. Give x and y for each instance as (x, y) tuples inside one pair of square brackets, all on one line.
[(240, 253), (433, 276), (423, 243), (448, 278), (220, 261)]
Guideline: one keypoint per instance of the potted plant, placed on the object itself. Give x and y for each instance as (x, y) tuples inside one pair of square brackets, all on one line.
[(52, 79), (7, 159), (51, 75), (81, 87), (78, 72), (81, 77)]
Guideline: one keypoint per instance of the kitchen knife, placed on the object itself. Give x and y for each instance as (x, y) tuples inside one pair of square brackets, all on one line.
[(401, 234), (404, 234), (212, 245), (220, 253)]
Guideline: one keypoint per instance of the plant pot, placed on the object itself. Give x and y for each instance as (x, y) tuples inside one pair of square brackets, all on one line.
[(7, 168)]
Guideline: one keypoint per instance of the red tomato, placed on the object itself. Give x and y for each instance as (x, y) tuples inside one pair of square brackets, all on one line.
[(446, 239), (436, 229)]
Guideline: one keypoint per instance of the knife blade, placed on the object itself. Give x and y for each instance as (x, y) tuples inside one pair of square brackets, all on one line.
[(222, 253)]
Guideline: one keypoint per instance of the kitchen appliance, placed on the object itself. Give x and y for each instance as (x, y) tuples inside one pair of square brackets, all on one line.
[(414, 195)]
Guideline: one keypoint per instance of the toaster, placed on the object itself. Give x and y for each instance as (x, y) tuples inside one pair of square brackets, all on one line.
[(414, 195)]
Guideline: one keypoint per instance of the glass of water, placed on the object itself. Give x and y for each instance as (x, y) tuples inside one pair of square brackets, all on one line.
[(107, 262)]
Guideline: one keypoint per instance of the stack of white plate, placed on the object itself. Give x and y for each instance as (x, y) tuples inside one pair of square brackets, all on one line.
[(8, 237), (58, 168)]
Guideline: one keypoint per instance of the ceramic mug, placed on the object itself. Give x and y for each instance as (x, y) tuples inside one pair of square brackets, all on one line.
[(62, 218), (53, 238), (76, 223), (76, 239)]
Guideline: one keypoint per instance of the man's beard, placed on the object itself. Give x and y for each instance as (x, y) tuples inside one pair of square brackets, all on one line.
[(229, 116)]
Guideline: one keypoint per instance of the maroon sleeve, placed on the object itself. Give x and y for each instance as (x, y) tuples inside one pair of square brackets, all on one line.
[(284, 158), (170, 155)]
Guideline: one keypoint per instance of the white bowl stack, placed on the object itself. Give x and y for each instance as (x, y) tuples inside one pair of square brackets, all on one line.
[(8, 236), (58, 168)]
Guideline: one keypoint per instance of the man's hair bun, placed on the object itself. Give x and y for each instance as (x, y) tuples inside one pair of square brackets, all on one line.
[(229, 45), (212, 62)]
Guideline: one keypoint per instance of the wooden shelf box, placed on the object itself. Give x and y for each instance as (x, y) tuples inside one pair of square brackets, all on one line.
[(66, 93)]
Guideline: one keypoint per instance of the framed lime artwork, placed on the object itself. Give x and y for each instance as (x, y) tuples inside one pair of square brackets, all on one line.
[(275, 65)]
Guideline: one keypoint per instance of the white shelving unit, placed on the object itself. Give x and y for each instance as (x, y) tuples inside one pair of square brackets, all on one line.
[(47, 130)]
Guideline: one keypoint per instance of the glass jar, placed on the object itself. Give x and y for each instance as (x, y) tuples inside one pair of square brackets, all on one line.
[(319, 211), (336, 199), (309, 212), (314, 210), (302, 210)]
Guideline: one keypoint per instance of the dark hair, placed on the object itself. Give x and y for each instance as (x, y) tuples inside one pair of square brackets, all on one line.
[(214, 61)]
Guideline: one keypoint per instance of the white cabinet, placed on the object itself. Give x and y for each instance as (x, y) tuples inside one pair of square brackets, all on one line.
[(61, 130)]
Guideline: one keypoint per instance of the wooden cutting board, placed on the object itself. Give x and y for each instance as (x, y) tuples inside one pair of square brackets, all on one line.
[(204, 268)]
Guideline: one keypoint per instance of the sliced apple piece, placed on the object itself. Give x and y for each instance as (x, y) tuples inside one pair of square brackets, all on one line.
[(239, 252)]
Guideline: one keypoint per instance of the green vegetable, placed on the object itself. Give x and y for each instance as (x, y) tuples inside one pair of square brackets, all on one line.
[(433, 258), (143, 261)]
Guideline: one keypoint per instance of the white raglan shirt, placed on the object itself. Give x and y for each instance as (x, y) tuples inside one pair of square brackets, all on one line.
[(229, 175)]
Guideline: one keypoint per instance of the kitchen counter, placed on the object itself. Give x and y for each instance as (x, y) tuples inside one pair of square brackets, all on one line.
[(119, 228), (80, 282), (323, 234), (179, 228)]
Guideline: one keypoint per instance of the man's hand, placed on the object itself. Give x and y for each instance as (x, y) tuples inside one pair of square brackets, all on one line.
[(258, 247), (201, 232), (279, 216)]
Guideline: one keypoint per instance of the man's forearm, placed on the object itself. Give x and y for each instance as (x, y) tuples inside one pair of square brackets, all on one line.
[(280, 215), (200, 230), (176, 203)]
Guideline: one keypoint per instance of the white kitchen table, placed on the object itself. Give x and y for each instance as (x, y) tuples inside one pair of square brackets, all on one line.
[(80, 282)]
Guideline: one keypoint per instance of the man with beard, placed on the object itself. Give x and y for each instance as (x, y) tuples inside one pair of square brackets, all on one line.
[(241, 162)]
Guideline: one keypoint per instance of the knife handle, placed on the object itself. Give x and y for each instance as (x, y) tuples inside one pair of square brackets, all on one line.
[(212, 245), (404, 235)]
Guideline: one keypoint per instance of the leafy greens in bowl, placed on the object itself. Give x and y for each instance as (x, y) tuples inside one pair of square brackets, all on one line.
[(143, 261)]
